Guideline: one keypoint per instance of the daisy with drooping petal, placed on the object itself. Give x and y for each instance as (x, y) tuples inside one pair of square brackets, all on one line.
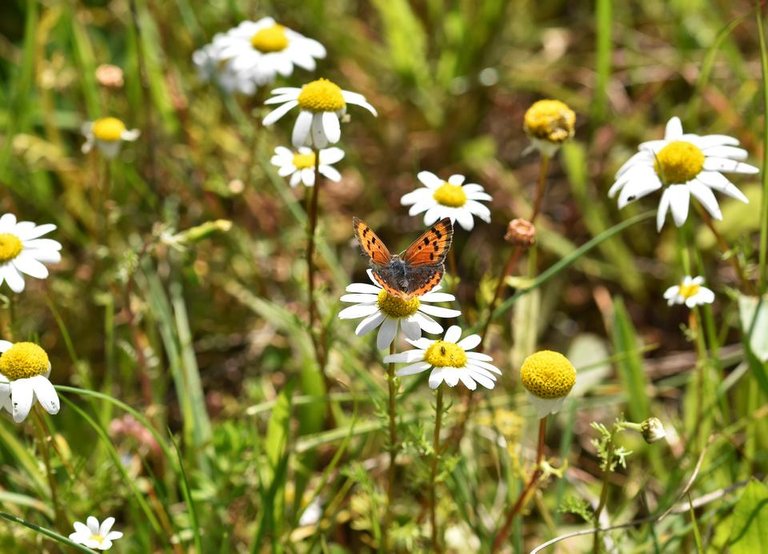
[(389, 313), (107, 134), (322, 103), (258, 51), (549, 123), (300, 164), (548, 377), (682, 165), (450, 361), (22, 251), (24, 371), (451, 198), (691, 292), (94, 535)]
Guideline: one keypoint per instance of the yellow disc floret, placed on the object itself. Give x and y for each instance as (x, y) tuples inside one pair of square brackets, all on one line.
[(270, 39), (548, 374), (24, 359), (321, 96), (450, 195), (688, 290), (10, 247), (678, 162), (108, 129), (304, 161), (445, 354), (396, 307), (550, 120)]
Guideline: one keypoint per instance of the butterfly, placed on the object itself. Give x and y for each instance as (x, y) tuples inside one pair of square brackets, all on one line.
[(416, 270)]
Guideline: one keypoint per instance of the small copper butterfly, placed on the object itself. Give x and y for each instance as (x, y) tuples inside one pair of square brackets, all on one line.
[(413, 272)]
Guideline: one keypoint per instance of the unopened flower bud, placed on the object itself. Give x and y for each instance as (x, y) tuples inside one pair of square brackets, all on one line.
[(109, 76), (549, 123), (652, 430), (521, 232)]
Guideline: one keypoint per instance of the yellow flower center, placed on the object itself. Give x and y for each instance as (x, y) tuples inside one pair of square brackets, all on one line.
[(450, 195), (98, 538), (321, 96), (304, 161), (270, 39), (396, 307), (108, 129), (24, 359), (10, 247), (688, 290), (550, 120), (445, 354), (678, 162), (548, 374)]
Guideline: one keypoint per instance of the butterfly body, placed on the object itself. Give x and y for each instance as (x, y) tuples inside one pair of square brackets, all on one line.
[(416, 270)]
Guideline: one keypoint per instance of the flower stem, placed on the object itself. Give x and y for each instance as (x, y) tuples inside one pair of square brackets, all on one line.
[(436, 547), (43, 438), (314, 193), (530, 487), (596, 545), (541, 186), (733, 258), (392, 469)]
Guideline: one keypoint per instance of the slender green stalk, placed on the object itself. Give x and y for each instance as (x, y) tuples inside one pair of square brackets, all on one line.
[(436, 542), (763, 259), (393, 447), (603, 28), (313, 200), (597, 544), (45, 451), (746, 286), (528, 489)]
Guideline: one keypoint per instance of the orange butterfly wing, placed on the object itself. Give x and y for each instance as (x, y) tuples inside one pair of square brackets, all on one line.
[(430, 248), (371, 243)]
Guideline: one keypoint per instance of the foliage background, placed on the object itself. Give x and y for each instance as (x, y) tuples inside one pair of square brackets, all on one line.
[(209, 345)]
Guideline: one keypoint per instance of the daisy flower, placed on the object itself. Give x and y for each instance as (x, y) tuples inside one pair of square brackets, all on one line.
[(548, 377), (388, 312), (549, 123), (449, 198), (450, 361), (23, 251), (24, 371), (211, 66), (322, 103), (682, 165), (691, 292), (300, 164), (94, 535), (107, 134), (258, 51)]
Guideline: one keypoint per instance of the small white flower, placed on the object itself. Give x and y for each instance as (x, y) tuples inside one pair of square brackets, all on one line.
[(107, 134), (211, 66), (322, 103), (450, 361), (683, 165), (690, 292), (94, 535), (24, 371), (388, 312), (449, 198), (300, 164), (258, 51), (22, 251)]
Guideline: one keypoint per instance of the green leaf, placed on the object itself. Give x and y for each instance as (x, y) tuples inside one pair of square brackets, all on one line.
[(753, 312), (630, 363), (750, 520)]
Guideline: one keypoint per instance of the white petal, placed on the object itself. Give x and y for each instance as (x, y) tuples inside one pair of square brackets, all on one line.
[(5, 345), (467, 380), (279, 112), (465, 219), (661, 213), (357, 297), (433, 296), (423, 206), (720, 183), (478, 357), (369, 324), (7, 223), (387, 333), (456, 179), (21, 397), (25, 263), (726, 152), (295, 179), (358, 100), (707, 198), (479, 210), (409, 356), (331, 155), (13, 277), (35, 232), (679, 201), (429, 179), (729, 166), (674, 129), (412, 369), (360, 310), (428, 324), (330, 173), (331, 126), (106, 525), (436, 377), (46, 394), (469, 342), (308, 176), (639, 187), (453, 334), (439, 311), (301, 129), (364, 288), (411, 328)]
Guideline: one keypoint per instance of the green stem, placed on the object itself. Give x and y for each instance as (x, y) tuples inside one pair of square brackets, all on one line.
[(392, 470), (529, 488), (43, 438), (314, 194), (436, 543), (763, 259)]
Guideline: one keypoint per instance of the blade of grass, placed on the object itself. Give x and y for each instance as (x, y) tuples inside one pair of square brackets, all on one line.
[(763, 254), (45, 532)]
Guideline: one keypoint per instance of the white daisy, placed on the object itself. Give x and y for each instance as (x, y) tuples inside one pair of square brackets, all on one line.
[(388, 312), (23, 251), (94, 535), (259, 51), (683, 165), (322, 103), (107, 134), (24, 371), (211, 66), (300, 164), (449, 198), (449, 361), (691, 292)]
